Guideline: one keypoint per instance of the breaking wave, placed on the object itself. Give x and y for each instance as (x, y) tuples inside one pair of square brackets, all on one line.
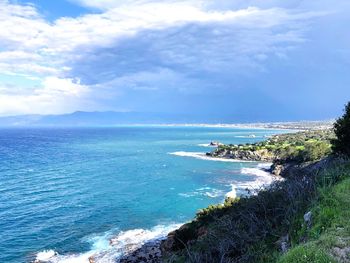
[(203, 156), (204, 191), (206, 145), (107, 248), (262, 177)]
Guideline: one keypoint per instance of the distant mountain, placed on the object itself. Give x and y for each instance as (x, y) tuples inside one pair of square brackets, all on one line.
[(108, 118)]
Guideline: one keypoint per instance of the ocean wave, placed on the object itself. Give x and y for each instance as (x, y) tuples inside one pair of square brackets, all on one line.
[(252, 136), (262, 176), (107, 248), (206, 145), (256, 171), (266, 166), (45, 255), (204, 191), (52, 256), (203, 156)]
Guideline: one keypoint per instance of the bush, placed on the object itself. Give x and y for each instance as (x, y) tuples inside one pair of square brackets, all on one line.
[(247, 230), (341, 144), (235, 227)]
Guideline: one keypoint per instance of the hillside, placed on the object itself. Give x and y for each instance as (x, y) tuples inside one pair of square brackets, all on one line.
[(258, 228), (303, 218), (327, 238), (299, 147)]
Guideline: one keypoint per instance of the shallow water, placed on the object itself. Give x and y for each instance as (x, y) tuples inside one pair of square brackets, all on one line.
[(69, 191)]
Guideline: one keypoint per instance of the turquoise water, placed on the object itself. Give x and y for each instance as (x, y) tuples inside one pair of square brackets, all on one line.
[(72, 190)]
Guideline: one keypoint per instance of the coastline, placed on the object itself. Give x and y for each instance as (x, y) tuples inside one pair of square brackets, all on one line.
[(145, 245), (265, 172), (139, 242), (148, 247), (153, 251)]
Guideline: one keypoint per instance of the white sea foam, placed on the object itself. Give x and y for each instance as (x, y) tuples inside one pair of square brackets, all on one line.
[(106, 249), (138, 237), (256, 171), (54, 257), (248, 136), (206, 145), (203, 156), (204, 191), (262, 177), (265, 166), (45, 255)]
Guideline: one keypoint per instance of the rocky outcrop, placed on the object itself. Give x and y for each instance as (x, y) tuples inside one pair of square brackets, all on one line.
[(283, 244), (215, 143), (185, 233), (262, 155), (182, 237), (308, 219), (342, 254), (148, 253), (285, 170), (293, 169), (169, 243)]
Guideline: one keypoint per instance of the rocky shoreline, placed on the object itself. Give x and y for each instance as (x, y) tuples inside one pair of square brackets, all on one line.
[(147, 253), (154, 251), (243, 155), (271, 151)]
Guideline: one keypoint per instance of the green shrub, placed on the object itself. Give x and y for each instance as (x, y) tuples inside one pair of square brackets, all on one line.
[(213, 211)]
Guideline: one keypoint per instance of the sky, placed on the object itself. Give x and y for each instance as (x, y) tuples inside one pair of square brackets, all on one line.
[(245, 60)]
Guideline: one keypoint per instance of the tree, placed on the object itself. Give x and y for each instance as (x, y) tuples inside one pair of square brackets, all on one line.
[(341, 144)]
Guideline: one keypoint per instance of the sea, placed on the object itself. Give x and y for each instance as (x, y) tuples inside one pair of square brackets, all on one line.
[(67, 194)]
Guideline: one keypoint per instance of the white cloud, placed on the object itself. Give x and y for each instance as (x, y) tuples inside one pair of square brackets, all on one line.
[(33, 45), (56, 86), (68, 34), (110, 4), (55, 96), (37, 49)]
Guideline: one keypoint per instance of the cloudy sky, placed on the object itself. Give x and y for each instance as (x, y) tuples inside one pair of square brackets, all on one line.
[(244, 59)]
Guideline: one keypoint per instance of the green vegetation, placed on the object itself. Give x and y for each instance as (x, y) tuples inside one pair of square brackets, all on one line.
[(249, 229), (341, 144), (303, 219), (297, 147), (329, 237), (214, 211), (306, 254)]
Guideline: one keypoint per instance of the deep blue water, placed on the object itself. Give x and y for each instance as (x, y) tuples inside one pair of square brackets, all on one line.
[(71, 190)]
